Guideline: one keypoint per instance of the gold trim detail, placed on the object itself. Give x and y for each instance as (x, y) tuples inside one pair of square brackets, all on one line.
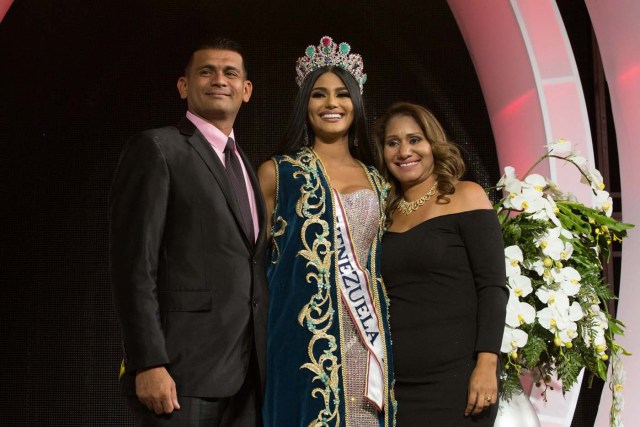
[(318, 314)]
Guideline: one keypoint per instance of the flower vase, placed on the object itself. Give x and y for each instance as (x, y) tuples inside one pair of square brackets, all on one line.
[(517, 411)]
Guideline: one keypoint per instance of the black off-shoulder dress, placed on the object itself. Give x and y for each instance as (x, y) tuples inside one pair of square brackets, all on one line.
[(446, 281)]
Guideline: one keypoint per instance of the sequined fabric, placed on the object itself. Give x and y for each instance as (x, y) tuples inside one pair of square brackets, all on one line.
[(361, 209)]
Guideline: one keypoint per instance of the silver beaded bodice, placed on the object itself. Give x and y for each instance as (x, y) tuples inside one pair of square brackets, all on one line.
[(363, 216)]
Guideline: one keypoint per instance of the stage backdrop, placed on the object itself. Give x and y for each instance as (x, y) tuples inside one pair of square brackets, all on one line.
[(80, 77)]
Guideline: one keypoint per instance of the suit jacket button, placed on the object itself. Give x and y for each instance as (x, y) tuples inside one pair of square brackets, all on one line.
[(254, 303)]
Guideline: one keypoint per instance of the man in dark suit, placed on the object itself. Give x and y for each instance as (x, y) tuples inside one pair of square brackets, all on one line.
[(187, 229)]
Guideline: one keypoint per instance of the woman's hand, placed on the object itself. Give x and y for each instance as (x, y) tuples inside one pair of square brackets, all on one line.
[(483, 384)]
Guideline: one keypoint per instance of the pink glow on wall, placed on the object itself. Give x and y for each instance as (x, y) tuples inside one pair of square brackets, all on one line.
[(4, 8), (629, 77), (544, 34), (616, 28), (566, 120), (521, 148), (504, 71)]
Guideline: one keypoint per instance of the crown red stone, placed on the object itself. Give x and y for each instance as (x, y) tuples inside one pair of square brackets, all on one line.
[(328, 53)]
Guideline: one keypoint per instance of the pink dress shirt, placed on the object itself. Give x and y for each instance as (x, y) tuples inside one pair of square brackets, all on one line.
[(218, 141)]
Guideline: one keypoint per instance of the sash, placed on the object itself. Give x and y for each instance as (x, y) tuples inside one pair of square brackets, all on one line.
[(356, 294)]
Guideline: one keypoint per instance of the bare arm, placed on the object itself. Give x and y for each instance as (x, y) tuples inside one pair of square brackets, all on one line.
[(268, 184)]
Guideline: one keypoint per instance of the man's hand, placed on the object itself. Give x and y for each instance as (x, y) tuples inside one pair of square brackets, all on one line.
[(156, 390)]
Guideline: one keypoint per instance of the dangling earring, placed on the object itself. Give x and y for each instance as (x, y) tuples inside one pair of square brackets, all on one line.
[(305, 136), (355, 141)]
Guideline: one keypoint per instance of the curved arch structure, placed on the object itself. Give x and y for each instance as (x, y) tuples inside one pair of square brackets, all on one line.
[(533, 93), (616, 28), (532, 89)]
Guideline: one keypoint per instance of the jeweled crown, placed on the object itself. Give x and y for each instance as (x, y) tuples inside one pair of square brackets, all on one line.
[(328, 53)]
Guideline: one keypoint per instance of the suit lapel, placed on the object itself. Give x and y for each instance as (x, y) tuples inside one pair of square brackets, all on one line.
[(215, 166)]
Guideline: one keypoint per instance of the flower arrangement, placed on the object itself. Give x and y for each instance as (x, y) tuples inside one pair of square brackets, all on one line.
[(557, 319)]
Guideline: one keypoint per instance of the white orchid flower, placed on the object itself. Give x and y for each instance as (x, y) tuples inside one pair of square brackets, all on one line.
[(513, 339), (537, 266), (520, 285), (552, 319), (535, 182), (604, 202), (600, 344), (593, 336), (548, 211), (595, 179), (557, 318), (513, 258), (529, 201), (509, 181), (550, 244), (556, 315), (577, 159), (575, 312), (565, 233), (568, 333), (559, 147), (568, 278), (598, 317), (554, 298), (558, 250), (602, 321), (519, 312), (568, 251)]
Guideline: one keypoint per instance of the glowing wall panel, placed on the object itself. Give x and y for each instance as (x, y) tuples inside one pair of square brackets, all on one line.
[(4, 7), (616, 27), (504, 70)]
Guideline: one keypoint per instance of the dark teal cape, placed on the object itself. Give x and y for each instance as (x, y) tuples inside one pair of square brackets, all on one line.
[(305, 384)]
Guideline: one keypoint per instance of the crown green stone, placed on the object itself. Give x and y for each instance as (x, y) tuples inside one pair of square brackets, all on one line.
[(328, 53)]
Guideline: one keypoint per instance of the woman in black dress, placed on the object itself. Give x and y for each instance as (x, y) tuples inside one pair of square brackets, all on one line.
[(443, 266)]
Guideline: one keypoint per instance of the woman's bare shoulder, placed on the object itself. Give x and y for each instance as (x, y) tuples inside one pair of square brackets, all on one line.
[(470, 195)]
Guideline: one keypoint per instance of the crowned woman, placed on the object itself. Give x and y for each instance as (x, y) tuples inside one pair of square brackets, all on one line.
[(329, 355)]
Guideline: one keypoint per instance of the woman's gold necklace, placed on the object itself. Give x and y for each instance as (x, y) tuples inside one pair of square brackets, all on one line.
[(406, 207)]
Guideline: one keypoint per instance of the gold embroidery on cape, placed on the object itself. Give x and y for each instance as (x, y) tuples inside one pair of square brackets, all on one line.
[(278, 224), (318, 314)]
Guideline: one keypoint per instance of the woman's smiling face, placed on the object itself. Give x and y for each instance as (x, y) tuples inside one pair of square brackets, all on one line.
[(330, 108), (407, 152)]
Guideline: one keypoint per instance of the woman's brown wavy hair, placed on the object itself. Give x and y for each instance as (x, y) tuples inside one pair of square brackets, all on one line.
[(447, 161)]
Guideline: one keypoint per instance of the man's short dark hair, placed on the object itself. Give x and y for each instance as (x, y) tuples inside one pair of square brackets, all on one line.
[(218, 43)]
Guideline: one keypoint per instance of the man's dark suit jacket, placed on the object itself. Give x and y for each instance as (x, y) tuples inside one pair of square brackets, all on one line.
[(189, 287)]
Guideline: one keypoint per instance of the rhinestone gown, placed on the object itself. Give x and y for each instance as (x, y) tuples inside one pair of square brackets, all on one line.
[(361, 210)]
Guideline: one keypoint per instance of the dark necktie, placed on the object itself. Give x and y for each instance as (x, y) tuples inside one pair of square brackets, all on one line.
[(234, 172)]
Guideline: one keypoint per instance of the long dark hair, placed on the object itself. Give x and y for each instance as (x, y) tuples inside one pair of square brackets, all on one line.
[(293, 138), (447, 160)]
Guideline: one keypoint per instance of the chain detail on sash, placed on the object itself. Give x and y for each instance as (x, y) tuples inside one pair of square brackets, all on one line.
[(356, 294)]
